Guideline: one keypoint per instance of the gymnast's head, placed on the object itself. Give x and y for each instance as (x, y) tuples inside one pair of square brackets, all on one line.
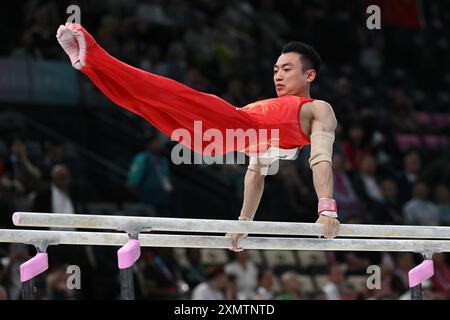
[(295, 69), (61, 177)]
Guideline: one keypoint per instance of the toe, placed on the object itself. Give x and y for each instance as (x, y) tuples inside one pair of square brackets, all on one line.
[(60, 31)]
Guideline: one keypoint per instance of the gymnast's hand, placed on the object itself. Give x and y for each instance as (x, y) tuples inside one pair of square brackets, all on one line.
[(76, 42), (330, 226), (235, 237)]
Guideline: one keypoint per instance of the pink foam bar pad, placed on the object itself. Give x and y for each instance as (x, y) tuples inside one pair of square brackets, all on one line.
[(129, 254), (33, 267), (16, 219), (422, 272)]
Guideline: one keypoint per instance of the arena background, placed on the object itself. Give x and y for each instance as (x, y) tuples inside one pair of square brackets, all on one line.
[(389, 88)]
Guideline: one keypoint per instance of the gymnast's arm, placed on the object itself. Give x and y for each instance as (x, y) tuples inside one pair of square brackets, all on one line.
[(253, 190), (324, 124)]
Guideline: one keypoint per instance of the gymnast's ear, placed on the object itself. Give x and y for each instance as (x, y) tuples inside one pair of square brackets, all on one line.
[(310, 75)]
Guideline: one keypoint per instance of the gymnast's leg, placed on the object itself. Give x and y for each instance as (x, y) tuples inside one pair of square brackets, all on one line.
[(165, 103)]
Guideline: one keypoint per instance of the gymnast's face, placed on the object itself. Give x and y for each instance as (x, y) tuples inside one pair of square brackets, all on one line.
[(289, 75)]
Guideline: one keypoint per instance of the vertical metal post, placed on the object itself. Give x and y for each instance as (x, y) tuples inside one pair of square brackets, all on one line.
[(127, 257), (28, 290), (126, 284), (32, 268), (416, 292), (419, 274)]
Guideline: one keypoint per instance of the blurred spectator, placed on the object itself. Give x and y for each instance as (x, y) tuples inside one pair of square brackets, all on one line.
[(272, 22), (45, 20), (5, 208), (28, 47), (371, 57), (231, 288), (319, 295), (392, 284), (10, 274), (349, 292), (195, 271), (235, 94), (412, 166), (154, 13), (38, 38), (388, 210), (419, 210), (442, 199), (56, 283), (130, 52), (265, 290), (366, 181), (402, 111), (3, 156), (343, 91), (175, 65), (213, 287), (196, 80), (161, 275), (246, 274), (57, 198), (254, 91), (335, 281), (21, 176), (404, 263), (295, 192), (344, 193), (108, 34), (355, 148), (441, 278), (3, 293), (149, 177), (356, 262), (291, 287), (54, 155)]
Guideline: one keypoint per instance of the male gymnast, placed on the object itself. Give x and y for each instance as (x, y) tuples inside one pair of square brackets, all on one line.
[(169, 105)]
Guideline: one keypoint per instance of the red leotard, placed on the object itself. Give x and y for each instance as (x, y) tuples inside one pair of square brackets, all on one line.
[(169, 105)]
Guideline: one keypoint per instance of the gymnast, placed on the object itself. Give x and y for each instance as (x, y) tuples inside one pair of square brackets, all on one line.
[(170, 106)]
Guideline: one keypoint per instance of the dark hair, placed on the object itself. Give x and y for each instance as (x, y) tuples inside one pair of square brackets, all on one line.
[(214, 271), (232, 277), (309, 56), (14, 138), (262, 271)]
